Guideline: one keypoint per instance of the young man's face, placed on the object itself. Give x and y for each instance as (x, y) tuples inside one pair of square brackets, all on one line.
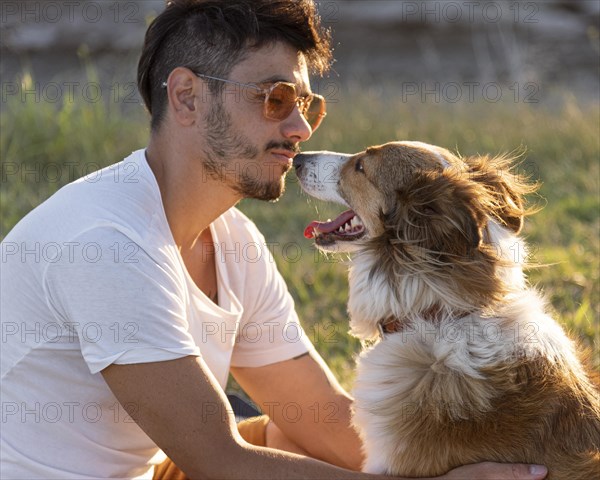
[(243, 148)]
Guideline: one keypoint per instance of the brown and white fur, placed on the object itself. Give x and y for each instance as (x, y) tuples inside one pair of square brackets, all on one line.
[(473, 367)]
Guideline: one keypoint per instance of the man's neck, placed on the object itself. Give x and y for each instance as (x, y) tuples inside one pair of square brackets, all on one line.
[(191, 198)]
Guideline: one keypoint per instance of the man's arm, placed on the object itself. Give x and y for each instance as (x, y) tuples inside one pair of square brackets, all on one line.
[(306, 402), (179, 404), (172, 401)]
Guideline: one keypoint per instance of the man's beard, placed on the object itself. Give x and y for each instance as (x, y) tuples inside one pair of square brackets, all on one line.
[(225, 144)]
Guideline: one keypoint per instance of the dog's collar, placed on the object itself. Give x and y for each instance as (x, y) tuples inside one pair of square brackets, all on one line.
[(394, 324), (389, 325)]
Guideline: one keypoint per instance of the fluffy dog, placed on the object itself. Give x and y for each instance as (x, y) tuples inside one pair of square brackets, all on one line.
[(469, 366)]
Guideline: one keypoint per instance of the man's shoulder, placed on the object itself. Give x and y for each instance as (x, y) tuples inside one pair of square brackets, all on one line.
[(121, 196), (129, 180)]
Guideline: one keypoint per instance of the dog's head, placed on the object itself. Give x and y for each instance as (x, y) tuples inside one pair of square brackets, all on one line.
[(428, 196), (425, 210)]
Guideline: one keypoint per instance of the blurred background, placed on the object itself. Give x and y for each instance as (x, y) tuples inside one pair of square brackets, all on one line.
[(550, 43), (472, 76)]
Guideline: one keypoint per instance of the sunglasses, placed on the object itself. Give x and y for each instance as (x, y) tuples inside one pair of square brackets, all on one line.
[(280, 100)]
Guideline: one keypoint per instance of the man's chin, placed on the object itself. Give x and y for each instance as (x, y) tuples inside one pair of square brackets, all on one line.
[(273, 192), (266, 191)]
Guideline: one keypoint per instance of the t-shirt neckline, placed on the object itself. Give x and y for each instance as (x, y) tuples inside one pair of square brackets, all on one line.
[(228, 302)]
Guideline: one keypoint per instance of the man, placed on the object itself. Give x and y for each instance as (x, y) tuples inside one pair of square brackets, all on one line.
[(119, 336)]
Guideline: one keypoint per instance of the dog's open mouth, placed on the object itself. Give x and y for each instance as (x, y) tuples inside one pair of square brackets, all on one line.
[(346, 227)]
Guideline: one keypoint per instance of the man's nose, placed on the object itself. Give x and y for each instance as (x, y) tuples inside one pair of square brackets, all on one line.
[(295, 127)]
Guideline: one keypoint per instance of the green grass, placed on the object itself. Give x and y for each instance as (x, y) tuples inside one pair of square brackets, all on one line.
[(562, 151), (43, 146)]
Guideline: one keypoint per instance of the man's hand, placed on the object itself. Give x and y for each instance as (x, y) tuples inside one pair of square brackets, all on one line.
[(480, 471), (497, 471)]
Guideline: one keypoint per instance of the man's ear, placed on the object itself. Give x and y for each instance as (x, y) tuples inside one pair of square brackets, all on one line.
[(505, 187), (182, 91)]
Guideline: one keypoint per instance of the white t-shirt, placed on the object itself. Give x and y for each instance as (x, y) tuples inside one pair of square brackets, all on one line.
[(92, 277)]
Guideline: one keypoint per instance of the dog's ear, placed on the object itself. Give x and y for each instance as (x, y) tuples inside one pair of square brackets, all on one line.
[(506, 187), (441, 214)]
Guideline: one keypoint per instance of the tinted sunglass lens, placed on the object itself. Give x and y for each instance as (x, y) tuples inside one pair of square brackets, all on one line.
[(281, 101), (315, 111)]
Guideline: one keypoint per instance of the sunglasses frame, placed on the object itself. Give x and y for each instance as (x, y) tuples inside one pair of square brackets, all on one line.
[(303, 103)]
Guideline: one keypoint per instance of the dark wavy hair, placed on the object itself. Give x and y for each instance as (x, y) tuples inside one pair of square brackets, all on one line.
[(213, 36)]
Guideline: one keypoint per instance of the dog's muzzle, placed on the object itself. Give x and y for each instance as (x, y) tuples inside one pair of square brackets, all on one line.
[(319, 174)]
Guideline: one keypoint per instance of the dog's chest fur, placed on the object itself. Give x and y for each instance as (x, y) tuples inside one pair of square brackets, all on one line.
[(436, 396)]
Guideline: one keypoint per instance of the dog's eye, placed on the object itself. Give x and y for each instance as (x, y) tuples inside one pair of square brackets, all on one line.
[(358, 166)]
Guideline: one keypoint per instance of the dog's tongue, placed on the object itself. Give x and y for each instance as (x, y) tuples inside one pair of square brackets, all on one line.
[(328, 227)]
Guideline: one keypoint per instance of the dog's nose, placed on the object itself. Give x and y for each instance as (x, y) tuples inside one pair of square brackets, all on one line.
[(299, 161)]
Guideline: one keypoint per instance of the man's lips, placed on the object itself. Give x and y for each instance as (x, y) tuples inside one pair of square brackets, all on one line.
[(285, 157), (284, 153)]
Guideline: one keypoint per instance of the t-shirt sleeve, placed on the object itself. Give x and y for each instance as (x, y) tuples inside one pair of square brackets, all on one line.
[(270, 331), (124, 305)]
